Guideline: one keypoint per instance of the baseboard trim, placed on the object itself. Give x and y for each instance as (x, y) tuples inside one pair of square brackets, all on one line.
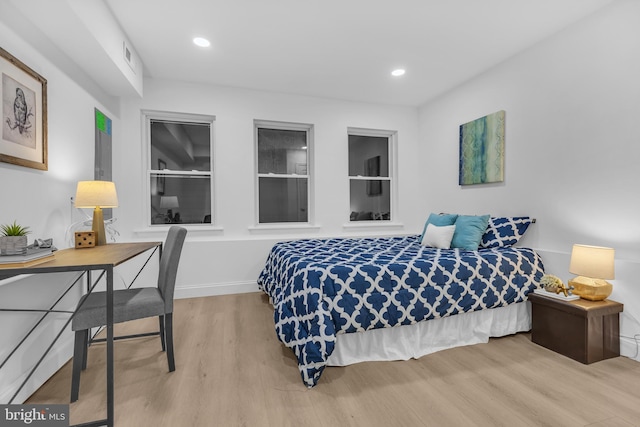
[(630, 348), (59, 355), (213, 289)]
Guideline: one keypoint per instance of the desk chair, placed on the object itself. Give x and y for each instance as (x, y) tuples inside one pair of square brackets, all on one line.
[(131, 304)]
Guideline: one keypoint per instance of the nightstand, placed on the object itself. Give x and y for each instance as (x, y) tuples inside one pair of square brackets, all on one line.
[(586, 331)]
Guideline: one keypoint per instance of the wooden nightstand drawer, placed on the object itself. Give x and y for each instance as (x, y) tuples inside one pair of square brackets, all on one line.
[(586, 331)]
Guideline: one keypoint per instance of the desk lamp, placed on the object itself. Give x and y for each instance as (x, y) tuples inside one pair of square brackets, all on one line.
[(592, 264), (97, 195), (169, 203)]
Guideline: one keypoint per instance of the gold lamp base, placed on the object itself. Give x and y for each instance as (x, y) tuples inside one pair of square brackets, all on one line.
[(98, 227), (591, 289)]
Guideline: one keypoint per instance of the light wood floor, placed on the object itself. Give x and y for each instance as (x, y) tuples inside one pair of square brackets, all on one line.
[(232, 371)]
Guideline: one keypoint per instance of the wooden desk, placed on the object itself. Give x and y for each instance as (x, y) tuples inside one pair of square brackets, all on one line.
[(104, 258), (586, 331)]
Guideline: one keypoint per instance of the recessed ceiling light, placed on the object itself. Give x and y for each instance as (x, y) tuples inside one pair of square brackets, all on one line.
[(202, 42), (399, 72)]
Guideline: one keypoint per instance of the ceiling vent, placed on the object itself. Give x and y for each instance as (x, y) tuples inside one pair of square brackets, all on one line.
[(129, 57)]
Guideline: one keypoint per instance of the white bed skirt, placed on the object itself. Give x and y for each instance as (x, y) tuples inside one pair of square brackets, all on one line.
[(414, 341)]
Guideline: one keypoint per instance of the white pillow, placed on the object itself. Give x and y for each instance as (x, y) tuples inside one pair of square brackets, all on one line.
[(438, 237)]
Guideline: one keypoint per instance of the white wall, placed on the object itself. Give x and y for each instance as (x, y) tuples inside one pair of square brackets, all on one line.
[(41, 200), (226, 259), (231, 258), (571, 103), (572, 108)]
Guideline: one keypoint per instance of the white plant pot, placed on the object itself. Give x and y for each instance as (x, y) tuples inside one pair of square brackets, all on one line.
[(13, 245)]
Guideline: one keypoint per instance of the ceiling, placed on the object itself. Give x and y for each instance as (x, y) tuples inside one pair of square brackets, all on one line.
[(336, 49)]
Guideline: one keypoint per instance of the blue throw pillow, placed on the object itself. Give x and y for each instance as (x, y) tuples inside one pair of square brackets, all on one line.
[(469, 231), (505, 231), (438, 220)]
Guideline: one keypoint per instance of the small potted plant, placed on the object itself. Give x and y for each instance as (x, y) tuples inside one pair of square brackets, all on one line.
[(13, 239)]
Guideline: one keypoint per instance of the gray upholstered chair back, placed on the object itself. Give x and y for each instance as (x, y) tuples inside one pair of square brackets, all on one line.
[(169, 265)]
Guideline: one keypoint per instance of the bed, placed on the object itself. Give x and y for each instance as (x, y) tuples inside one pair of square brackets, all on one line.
[(372, 296)]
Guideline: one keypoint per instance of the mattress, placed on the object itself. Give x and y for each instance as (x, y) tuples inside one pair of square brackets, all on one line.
[(321, 288)]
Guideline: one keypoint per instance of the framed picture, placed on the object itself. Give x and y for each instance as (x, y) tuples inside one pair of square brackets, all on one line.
[(372, 168), (162, 165), (481, 158), (23, 139)]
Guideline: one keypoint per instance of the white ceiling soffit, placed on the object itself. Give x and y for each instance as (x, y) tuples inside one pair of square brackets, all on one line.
[(87, 32), (331, 48)]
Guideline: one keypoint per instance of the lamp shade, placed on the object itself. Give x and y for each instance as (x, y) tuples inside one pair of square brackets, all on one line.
[(592, 261), (91, 194), (168, 202)]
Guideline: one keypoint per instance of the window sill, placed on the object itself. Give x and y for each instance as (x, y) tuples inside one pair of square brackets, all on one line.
[(197, 229), (372, 225), (283, 227)]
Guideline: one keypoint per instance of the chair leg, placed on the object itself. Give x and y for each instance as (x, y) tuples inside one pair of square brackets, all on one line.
[(169, 338), (85, 353), (162, 338), (79, 356)]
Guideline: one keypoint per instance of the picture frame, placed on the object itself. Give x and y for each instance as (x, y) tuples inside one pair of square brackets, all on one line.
[(481, 155), (23, 109), (162, 165), (372, 168)]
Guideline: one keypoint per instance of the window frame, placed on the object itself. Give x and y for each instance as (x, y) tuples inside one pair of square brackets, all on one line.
[(278, 125), (149, 169), (391, 136)]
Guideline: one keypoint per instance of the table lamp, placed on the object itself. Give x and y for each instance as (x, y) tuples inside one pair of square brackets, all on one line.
[(169, 203), (592, 264), (97, 195)]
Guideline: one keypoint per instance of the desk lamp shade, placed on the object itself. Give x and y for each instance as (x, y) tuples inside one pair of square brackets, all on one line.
[(592, 264), (97, 195), (169, 202)]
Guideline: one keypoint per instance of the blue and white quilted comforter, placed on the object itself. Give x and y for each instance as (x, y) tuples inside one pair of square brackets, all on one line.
[(323, 287)]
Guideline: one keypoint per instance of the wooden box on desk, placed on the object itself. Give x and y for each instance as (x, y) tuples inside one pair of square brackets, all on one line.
[(586, 331), (85, 239)]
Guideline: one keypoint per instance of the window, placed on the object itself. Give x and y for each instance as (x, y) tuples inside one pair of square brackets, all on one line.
[(370, 174), (180, 168), (283, 171)]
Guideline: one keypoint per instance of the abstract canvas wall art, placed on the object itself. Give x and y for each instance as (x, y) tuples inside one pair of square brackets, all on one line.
[(482, 150)]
